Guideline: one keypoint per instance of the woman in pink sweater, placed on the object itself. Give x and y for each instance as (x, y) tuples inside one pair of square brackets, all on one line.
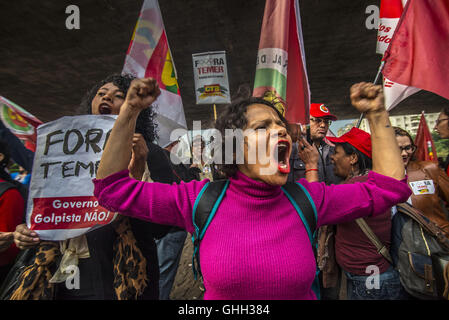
[(256, 247)]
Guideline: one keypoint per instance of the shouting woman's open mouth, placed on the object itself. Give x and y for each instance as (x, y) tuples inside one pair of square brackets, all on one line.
[(105, 108), (282, 151)]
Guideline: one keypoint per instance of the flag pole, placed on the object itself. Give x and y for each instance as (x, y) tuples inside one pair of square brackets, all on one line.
[(215, 112), (375, 81)]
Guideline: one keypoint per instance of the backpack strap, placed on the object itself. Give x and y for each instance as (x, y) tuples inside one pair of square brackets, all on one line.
[(415, 214), (212, 194), (305, 207), (5, 186), (303, 203), (381, 248), (204, 209)]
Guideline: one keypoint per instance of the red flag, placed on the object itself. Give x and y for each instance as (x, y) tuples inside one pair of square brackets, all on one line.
[(417, 54), (425, 148), (281, 42), (390, 13)]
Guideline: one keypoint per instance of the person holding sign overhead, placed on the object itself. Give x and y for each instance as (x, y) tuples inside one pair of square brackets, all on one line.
[(103, 253)]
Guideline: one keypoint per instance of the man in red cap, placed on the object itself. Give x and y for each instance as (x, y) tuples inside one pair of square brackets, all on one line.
[(320, 120)]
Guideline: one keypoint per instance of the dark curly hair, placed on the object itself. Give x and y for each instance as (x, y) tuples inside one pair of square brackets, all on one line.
[(145, 124), (234, 117)]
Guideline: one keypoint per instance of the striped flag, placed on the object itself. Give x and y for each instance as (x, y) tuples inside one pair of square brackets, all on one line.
[(395, 93), (149, 56), (281, 68), (390, 14), (20, 122)]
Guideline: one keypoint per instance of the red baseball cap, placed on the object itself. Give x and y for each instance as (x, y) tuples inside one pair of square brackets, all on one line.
[(319, 110), (357, 138)]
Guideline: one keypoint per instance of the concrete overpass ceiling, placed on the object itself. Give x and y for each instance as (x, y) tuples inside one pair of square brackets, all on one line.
[(47, 68)]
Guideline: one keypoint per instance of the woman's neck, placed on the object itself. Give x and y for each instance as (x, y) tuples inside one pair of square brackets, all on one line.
[(355, 173), (252, 187)]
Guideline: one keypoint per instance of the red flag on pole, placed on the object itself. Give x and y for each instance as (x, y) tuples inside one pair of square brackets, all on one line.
[(425, 148), (281, 42), (389, 16), (418, 53)]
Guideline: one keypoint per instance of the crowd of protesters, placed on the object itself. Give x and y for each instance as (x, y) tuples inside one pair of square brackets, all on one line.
[(256, 246)]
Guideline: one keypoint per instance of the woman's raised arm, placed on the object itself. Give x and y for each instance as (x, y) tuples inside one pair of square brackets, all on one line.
[(117, 153), (369, 99)]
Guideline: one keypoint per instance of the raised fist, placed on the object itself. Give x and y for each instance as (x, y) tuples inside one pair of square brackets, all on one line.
[(367, 97), (142, 93)]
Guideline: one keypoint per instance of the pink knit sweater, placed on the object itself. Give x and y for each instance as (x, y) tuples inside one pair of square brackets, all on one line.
[(256, 247)]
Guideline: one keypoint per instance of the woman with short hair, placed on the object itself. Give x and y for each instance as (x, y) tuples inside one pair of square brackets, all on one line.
[(256, 246)]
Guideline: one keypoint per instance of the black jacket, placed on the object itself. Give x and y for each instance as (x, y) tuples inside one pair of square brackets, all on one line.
[(325, 166)]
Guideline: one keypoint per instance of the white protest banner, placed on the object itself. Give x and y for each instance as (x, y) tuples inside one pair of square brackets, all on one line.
[(211, 78), (61, 204), (390, 13)]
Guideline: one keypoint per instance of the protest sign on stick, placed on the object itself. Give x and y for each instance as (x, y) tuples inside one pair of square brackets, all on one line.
[(61, 204), (211, 78)]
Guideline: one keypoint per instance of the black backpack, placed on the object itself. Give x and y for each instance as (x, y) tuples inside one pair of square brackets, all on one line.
[(420, 252), (210, 197)]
